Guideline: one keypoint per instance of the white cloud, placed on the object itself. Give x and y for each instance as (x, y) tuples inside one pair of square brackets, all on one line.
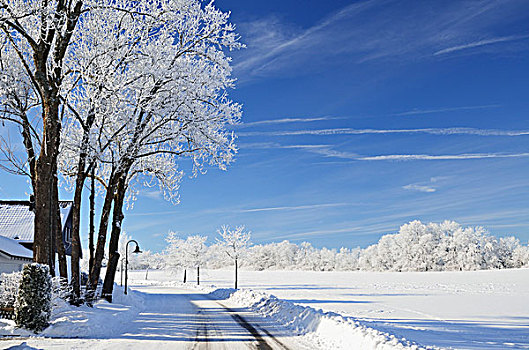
[(481, 43), (420, 188), (372, 30), (328, 151), (152, 194), (299, 207), (438, 178), (286, 120), (258, 145), (446, 109), (351, 131), (443, 157)]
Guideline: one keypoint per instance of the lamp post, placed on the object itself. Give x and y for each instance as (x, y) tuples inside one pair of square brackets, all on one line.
[(137, 250), (121, 270)]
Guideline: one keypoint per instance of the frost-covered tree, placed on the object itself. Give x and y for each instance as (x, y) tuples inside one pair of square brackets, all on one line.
[(184, 254), (416, 247), (194, 252), (154, 81), (235, 243), (133, 85), (35, 60), (441, 247), (173, 252)]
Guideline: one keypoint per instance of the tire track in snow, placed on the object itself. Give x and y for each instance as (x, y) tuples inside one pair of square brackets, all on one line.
[(262, 343)]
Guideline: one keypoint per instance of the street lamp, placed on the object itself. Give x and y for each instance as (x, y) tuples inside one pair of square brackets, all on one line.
[(137, 250), (121, 270)]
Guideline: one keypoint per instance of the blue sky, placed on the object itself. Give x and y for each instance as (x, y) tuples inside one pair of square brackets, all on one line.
[(360, 116)]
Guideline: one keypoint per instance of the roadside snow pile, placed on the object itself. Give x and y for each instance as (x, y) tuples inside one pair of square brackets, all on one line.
[(329, 329), (100, 321)]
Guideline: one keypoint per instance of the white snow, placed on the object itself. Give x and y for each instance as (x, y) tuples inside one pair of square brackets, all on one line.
[(329, 330), (463, 310), (330, 310), (13, 248)]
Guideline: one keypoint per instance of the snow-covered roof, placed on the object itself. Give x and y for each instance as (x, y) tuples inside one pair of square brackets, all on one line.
[(13, 248), (16, 220)]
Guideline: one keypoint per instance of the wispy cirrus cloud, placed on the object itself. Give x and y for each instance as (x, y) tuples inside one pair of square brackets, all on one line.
[(405, 157), (419, 188), (285, 121), (329, 151), (361, 32), (298, 207), (479, 43), (442, 110), (429, 186), (351, 131), (152, 194)]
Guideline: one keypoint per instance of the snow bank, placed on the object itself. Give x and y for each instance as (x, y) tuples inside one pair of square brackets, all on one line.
[(100, 321), (329, 329)]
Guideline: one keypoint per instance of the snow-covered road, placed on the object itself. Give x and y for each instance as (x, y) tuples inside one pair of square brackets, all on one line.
[(174, 318)]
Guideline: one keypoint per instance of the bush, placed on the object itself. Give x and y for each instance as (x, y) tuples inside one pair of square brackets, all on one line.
[(9, 283), (33, 306)]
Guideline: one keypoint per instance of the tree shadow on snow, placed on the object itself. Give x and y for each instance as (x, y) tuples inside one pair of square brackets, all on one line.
[(174, 318), (459, 334), (319, 301)]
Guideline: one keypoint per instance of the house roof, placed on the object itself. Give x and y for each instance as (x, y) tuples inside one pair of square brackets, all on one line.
[(13, 248), (16, 220)]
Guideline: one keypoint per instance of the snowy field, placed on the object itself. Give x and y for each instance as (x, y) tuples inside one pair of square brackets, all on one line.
[(359, 310), (462, 310)]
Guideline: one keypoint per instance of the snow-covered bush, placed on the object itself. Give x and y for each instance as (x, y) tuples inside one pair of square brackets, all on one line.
[(33, 305), (60, 291), (9, 284)]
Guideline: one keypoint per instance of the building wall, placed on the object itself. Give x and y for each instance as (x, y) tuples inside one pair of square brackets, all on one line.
[(8, 265)]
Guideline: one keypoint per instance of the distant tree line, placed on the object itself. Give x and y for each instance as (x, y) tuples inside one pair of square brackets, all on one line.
[(443, 246)]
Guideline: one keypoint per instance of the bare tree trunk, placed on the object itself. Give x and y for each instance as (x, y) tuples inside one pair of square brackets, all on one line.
[(59, 243), (76, 243), (236, 273), (185, 275), (102, 235), (92, 219), (46, 173), (113, 254), (76, 210), (198, 275)]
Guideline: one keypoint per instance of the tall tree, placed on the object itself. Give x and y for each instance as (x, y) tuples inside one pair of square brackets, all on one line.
[(157, 89), (36, 36)]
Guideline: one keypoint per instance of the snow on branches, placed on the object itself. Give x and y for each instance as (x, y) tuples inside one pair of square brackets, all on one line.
[(186, 253), (234, 241), (445, 246), (152, 81)]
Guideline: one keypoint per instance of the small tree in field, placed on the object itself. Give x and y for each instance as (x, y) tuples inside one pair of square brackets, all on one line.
[(187, 253), (235, 242), (174, 254), (194, 251)]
